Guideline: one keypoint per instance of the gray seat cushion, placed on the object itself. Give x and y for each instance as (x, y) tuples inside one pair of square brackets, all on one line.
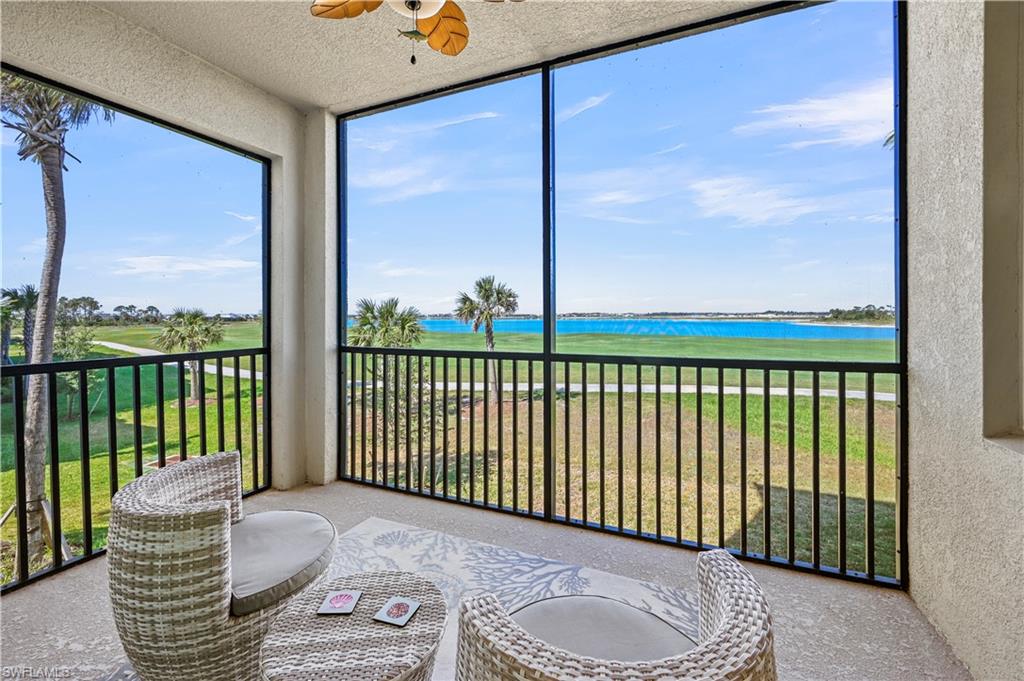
[(595, 626), (276, 553)]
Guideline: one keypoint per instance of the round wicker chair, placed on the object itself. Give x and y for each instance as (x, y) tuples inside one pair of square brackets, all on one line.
[(169, 564), (735, 638)]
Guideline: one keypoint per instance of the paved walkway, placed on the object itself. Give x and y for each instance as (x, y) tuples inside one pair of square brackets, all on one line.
[(669, 389), (229, 368)]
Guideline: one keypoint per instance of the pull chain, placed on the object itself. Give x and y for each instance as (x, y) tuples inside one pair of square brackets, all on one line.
[(415, 26)]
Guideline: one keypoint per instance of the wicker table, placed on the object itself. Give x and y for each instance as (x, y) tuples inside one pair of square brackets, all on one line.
[(302, 645)]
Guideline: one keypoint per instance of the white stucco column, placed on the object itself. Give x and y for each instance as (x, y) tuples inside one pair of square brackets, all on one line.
[(320, 301)]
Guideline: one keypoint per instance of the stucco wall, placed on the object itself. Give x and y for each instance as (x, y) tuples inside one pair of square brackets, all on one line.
[(91, 49), (966, 493)]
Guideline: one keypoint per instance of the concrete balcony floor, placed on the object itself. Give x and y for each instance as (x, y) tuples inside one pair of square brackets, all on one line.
[(825, 628)]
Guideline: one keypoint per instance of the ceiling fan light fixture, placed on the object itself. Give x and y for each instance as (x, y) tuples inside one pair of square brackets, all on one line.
[(419, 9)]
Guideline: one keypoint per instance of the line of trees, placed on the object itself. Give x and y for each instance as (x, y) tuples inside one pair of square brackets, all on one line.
[(867, 313)]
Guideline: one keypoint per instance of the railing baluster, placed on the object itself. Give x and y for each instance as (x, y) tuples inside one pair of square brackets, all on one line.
[(161, 435), (137, 418), (396, 400), (419, 427), (791, 471), (567, 435), (444, 431), (743, 461), (601, 444), (869, 477), (408, 421), (83, 423), (202, 408), (352, 453), (458, 429), (487, 433), (21, 495), (700, 457), (841, 436), (112, 430), (220, 404), (254, 426), (515, 435), (472, 430), (815, 472), (56, 535), (657, 450), (362, 416), (639, 450), (384, 425), (237, 385), (621, 508), (679, 454), (373, 421), (182, 406), (766, 391), (583, 440), (501, 434), (529, 436), (721, 457)]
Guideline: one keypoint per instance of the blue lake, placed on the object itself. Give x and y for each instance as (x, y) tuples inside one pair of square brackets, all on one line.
[(725, 328)]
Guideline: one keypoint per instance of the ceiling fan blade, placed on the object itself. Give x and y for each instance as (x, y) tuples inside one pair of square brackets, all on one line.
[(446, 31), (342, 9)]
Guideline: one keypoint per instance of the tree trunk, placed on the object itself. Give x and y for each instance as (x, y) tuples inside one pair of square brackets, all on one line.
[(489, 339), (51, 162), (28, 327), (193, 368), (5, 343)]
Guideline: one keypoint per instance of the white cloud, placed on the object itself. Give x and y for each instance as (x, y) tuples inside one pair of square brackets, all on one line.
[(240, 216), (623, 219), (681, 232), (386, 178), (34, 246), (386, 138), (387, 268), (874, 217), (579, 107), (750, 202), (242, 238), (669, 150), (855, 117), (412, 191), (177, 266)]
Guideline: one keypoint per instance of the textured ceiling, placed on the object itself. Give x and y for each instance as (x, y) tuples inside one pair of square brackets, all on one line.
[(347, 64)]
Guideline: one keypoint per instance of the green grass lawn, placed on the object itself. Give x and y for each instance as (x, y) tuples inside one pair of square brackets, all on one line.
[(652, 482), (99, 448), (652, 479)]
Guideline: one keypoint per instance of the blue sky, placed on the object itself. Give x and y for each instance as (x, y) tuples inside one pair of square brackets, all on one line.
[(737, 170), (154, 218)]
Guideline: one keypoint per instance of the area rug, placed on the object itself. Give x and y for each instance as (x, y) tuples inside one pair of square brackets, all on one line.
[(464, 567)]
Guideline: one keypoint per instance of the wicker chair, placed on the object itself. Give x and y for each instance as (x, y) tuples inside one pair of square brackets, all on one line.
[(177, 597), (735, 638)]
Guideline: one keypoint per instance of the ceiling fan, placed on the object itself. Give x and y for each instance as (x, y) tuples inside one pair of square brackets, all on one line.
[(439, 23)]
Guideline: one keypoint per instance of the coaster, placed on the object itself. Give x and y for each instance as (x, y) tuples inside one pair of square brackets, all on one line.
[(397, 611), (339, 602)]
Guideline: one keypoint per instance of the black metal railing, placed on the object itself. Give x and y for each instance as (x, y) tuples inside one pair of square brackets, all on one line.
[(795, 463), (133, 414)]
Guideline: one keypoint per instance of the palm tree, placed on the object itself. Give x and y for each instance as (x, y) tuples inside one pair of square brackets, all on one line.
[(493, 300), (6, 320), (190, 330), (384, 325), (42, 116), (22, 302)]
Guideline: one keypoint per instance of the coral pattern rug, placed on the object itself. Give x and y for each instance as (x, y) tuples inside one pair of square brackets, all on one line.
[(463, 567)]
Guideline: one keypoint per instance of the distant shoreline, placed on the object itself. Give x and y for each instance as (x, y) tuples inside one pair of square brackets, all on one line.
[(808, 318)]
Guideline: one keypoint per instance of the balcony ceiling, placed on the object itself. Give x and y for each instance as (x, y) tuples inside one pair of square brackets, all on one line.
[(348, 64)]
